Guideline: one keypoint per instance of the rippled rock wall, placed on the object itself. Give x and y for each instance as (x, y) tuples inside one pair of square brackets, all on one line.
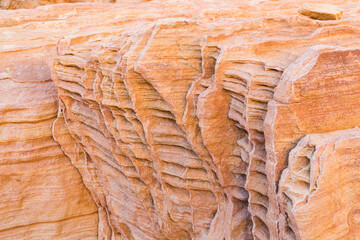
[(186, 120)]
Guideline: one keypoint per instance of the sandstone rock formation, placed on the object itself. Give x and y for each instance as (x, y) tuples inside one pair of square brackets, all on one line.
[(42, 194), (317, 167), (184, 120), (15, 4), (26, 4)]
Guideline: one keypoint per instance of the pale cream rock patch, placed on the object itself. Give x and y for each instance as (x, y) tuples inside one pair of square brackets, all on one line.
[(321, 11)]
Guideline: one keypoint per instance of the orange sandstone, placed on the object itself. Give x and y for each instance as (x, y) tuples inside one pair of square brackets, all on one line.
[(181, 120)]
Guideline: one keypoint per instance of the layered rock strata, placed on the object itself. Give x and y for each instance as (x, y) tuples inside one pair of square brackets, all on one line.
[(21, 4), (16, 4), (181, 117), (43, 196), (178, 108), (321, 166)]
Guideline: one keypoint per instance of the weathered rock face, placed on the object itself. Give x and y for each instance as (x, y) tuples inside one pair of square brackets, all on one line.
[(23, 4), (322, 166), (185, 120), (42, 194), (15, 4)]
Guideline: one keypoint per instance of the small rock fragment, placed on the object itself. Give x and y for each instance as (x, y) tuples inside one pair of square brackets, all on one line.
[(321, 11)]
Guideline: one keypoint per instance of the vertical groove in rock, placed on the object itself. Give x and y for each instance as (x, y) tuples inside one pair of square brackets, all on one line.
[(251, 87)]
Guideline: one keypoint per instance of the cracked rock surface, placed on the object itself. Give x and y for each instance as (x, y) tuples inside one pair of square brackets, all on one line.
[(179, 120)]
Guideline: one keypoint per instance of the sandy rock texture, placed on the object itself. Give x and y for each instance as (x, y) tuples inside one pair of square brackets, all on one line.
[(316, 172), (26, 4), (16, 4), (43, 196), (321, 11), (180, 120)]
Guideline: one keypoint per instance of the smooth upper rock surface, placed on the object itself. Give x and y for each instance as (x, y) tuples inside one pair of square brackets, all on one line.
[(16, 4), (184, 120)]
